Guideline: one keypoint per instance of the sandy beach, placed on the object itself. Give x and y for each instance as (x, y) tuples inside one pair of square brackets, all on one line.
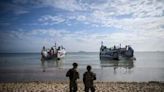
[(62, 86)]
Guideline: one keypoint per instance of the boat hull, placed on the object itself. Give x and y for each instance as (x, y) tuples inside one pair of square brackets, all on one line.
[(109, 55), (58, 55), (117, 53)]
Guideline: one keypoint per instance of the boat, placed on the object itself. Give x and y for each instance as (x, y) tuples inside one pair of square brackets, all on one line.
[(53, 53), (116, 53), (126, 52), (108, 53)]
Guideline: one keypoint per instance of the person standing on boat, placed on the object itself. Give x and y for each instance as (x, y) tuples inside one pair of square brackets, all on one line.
[(44, 52), (88, 78), (114, 47), (73, 76), (52, 51)]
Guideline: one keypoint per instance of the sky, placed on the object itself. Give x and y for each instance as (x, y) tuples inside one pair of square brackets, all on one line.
[(81, 25)]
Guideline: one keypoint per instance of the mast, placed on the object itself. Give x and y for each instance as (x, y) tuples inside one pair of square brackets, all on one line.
[(101, 43), (55, 45)]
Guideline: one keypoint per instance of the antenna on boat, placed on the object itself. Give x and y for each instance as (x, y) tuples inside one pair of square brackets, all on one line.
[(101, 43), (55, 45)]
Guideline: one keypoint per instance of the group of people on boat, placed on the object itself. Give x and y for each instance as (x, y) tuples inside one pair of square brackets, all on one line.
[(116, 52), (48, 53)]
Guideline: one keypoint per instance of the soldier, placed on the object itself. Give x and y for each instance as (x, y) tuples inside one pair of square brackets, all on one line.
[(88, 78), (73, 76)]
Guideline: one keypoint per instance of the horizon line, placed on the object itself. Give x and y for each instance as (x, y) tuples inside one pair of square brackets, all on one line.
[(71, 52)]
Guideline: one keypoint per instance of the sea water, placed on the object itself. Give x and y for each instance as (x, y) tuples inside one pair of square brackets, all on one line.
[(148, 66)]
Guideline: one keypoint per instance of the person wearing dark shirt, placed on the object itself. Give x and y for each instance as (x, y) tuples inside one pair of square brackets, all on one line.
[(88, 78), (52, 51), (73, 76)]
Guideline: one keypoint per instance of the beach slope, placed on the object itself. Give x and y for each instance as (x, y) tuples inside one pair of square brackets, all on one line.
[(62, 86)]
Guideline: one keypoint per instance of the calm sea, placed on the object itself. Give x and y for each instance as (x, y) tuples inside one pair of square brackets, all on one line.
[(148, 66)]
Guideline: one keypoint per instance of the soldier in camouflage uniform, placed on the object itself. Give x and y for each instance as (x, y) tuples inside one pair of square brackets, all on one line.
[(73, 76), (88, 78)]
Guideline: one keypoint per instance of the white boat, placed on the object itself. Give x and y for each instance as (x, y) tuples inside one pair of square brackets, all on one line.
[(53, 53), (61, 53)]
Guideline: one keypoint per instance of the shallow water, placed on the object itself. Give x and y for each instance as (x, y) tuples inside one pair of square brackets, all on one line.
[(148, 66)]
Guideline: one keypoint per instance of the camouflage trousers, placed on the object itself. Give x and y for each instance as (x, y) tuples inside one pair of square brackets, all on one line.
[(73, 86), (89, 88)]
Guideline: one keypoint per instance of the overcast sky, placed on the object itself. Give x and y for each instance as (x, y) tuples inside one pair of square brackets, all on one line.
[(81, 25)]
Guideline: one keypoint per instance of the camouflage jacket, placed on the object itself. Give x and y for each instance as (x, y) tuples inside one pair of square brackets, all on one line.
[(88, 78), (72, 74)]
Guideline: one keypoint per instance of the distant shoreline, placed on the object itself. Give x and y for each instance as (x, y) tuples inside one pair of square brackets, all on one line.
[(67, 52)]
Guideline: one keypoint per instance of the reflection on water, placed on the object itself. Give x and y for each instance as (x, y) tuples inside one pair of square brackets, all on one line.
[(149, 66), (125, 63), (54, 63)]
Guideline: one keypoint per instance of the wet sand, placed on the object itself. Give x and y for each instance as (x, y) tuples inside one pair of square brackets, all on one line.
[(62, 86)]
